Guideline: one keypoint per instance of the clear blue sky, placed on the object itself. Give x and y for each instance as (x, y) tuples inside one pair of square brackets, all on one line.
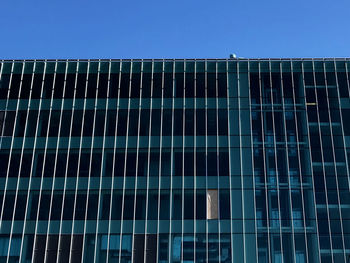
[(174, 29)]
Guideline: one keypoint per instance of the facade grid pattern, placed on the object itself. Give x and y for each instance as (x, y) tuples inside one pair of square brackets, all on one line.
[(195, 160)]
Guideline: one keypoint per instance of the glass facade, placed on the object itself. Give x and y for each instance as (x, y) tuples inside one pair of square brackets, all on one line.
[(223, 160)]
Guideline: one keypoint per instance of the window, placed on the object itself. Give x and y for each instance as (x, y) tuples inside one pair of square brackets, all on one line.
[(77, 122), (140, 211), (9, 123), (4, 84), (212, 204)]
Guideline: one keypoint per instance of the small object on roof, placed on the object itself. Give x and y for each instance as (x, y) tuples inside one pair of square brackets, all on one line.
[(233, 55)]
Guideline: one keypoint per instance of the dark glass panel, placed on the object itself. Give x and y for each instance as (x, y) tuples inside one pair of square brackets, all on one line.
[(164, 211), (142, 163), (96, 162), (34, 201), (38, 164), (178, 122), (73, 164), (59, 85), (139, 246), (201, 205), (99, 123), (223, 122), (37, 84), (200, 85), (222, 85), (83, 165), (108, 164), (213, 248), (167, 121), (133, 122), (54, 123), (177, 205), (124, 85), (31, 124), (200, 122), (154, 163), (66, 123), (92, 205), (122, 122), (168, 85), (4, 85), (152, 204), (189, 207), (68, 206), (179, 85), (287, 85), (8, 206), (200, 162), (201, 247), (188, 248), (52, 245), (4, 158), (43, 123), (70, 85), (309, 79), (88, 122), (14, 164), (151, 248), (144, 122), (48, 86), (166, 162), (212, 162), (9, 123), (117, 205), (211, 121), (189, 88), (80, 86), (128, 205), (177, 170), (131, 163), (155, 122), (135, 85), (49, 164), (15, 86), (157, 85), (223, 162), (189, 122), (44, 206), (26, 164), (119, 163), (106, 199), (102, 85), (39, 249), (92, 86), (224, 205), (26, 85), (146, 85), (189, 162), (114, 85), (211, 80), (343, 85), (57, 202), (20, 123), (77, 122), (111, 121), (64, 249), (140, 211), (163, 246)]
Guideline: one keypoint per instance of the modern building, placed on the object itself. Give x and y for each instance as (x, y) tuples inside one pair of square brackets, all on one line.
[(205, 160)]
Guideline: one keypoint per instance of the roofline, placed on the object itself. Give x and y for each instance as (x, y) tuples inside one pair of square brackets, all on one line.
[(180, 59)]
